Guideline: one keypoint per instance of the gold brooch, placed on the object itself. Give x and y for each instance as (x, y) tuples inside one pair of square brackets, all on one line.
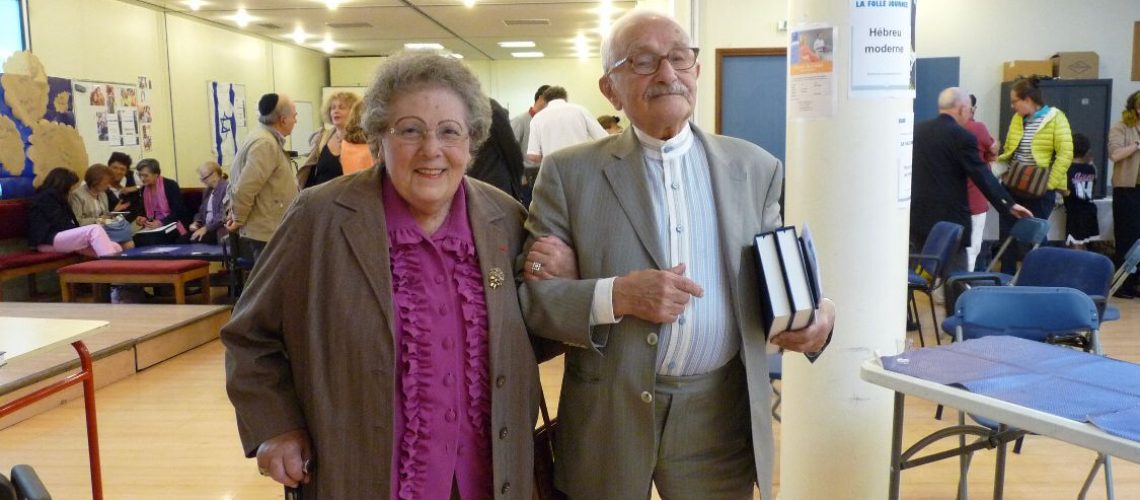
[(496, 278)]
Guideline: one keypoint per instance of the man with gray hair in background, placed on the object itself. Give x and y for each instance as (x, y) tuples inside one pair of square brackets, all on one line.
[(264, 183), (666, 377), (945, 155)]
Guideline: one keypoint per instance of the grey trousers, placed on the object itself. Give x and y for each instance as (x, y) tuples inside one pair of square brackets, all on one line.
[(703, 436)]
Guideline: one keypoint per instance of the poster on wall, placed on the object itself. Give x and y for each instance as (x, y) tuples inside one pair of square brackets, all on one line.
[(882, 49), (226, 102), (905, 157), (144, 112), (37, 122), (811, 72), (106, 116)]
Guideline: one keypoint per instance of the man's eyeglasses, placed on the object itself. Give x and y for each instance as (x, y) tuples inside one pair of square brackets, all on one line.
[(647, 63), (413, 132)]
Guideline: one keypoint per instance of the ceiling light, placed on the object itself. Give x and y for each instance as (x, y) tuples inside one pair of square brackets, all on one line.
[(328, 45), (605, 14), (528, 55), (581, 47), (469, 3), (423, 46), (456, 55), (332, 4), (298, 35), (194, 5), (521, 44), (242, 18)]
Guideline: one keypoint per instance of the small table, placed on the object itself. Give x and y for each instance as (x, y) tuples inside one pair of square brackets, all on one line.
[(24, 337), (1082, 434)]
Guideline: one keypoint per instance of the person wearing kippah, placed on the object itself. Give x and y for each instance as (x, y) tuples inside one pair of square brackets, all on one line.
[(264, 184)]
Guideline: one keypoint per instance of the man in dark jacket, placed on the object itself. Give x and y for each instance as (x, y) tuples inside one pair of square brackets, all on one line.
[(945, 154), (499, 161)]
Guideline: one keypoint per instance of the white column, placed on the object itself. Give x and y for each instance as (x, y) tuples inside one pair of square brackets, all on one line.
[(842, 179)]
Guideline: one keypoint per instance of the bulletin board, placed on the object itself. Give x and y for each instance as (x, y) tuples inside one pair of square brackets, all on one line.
[(113, 117)]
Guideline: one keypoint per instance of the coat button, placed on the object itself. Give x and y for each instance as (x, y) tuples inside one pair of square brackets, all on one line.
[(503, 433), (651, 339), (646, 396), (506, 488), (501, 381)]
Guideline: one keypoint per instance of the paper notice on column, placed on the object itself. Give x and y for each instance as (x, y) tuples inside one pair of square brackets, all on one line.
[(905, 157), (811, 72), (882, 49)]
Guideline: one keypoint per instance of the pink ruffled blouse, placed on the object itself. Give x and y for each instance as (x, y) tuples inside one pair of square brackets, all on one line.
[(443, 395)]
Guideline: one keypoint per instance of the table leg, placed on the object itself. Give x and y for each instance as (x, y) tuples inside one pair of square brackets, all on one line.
[(896, 447), (88, 375), (999, 468)]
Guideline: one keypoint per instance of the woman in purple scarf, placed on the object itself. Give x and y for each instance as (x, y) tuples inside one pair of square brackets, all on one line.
[(162, 204)]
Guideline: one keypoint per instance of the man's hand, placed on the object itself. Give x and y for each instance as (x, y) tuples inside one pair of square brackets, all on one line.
[(233, 225), (655, 296), (284, 458), (122, 206), (812, 337), (198, 234), (152, 223), (1019, 211), (555, 258)]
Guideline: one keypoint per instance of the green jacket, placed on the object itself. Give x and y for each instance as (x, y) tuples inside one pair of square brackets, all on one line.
[(1053, 145)]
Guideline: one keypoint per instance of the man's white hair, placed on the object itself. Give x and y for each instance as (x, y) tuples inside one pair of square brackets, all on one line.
[(611, 54), (952, 97)]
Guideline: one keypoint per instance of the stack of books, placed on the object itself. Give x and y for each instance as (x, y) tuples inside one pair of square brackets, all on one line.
[(790, 288)]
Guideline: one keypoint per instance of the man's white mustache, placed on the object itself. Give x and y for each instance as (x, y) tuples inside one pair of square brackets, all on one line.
[(675, 88)]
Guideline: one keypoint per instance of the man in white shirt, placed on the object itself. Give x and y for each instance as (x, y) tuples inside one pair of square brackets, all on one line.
[(559, 125)]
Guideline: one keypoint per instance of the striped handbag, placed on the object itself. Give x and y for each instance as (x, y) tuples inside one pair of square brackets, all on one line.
[(1026, 180)]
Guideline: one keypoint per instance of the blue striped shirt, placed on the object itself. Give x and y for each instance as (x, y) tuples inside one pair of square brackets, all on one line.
[(703, 338)]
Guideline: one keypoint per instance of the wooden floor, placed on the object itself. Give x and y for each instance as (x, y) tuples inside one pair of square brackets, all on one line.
[(168, 432)]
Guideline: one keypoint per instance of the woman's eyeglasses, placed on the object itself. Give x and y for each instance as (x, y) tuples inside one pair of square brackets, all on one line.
[(413, 132)]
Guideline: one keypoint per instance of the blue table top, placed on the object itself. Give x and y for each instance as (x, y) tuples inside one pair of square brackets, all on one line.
[(171, 252), (1057, 380)]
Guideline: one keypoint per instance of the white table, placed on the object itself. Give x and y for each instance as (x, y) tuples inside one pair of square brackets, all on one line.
[(1081, 434), (24, 337)]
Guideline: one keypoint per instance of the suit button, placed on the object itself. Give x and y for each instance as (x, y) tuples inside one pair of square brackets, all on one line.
[(503, 433), (651, 339), (501, 381), (646, 397), (506, 488)]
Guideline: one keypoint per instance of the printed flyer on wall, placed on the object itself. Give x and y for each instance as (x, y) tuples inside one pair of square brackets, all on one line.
[(811, 72)]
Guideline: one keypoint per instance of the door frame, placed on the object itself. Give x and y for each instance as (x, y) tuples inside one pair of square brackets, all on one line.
[(721, 54)]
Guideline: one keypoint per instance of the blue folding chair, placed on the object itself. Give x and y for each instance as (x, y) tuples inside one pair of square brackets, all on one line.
[(928, 270), (1045, 314), (1026, 232), (1131, 260)]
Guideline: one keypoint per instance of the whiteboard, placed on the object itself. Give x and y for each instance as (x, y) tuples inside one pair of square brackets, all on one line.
[(304, 129)]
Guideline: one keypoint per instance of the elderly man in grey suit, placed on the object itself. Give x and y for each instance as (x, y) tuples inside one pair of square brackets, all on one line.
[(666, 376)]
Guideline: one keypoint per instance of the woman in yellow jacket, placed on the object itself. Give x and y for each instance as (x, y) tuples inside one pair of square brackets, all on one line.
[(1039, 134)]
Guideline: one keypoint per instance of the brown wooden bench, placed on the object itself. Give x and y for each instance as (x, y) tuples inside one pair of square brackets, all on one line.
[(25, 262), (148, 272)]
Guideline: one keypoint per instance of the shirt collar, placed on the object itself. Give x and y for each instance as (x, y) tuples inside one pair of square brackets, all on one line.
[(674, 147), (1042, 112), (276, 135)]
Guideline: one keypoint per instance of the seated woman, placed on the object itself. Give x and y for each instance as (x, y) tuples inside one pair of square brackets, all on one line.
[(208, 226), (162, 206), (355, 153), (89, 205), (53, 228), (123, 193), (324, 162)]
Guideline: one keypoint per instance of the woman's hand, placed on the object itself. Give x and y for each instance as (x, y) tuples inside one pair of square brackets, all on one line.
[(548, 258), (199, 233), (286, 458), (122, 206)]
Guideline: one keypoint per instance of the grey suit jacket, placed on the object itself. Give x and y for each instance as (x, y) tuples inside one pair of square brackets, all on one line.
[(311, 344), (596, 197)]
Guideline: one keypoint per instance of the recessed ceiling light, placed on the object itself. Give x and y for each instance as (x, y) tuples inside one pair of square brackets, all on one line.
[(456, 55), (521, 44), (605, 14), (194, 5), (528, 55), (328, 45), (581, 47), (298, 35), (469, 3), (332, 4), (242, 18), (423, 46)]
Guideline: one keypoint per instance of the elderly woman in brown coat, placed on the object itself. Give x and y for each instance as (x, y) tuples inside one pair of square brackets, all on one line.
[(379, 351)]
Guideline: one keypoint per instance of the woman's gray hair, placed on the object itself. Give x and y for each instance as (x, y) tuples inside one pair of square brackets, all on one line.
[(412, 71), (611, 54)]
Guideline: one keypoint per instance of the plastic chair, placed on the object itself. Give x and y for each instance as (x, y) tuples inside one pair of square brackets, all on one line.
[(1028, 231), (928, 270), (25, 485), (1131, 260), (1046, 314), (1088, 272)]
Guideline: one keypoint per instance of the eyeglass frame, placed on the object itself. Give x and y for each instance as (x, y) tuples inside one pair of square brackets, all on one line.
[(466, 134), (207, 177), (656, 67)]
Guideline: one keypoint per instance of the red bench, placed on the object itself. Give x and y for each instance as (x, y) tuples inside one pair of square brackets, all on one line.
[(148, 272), (27, 262)]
